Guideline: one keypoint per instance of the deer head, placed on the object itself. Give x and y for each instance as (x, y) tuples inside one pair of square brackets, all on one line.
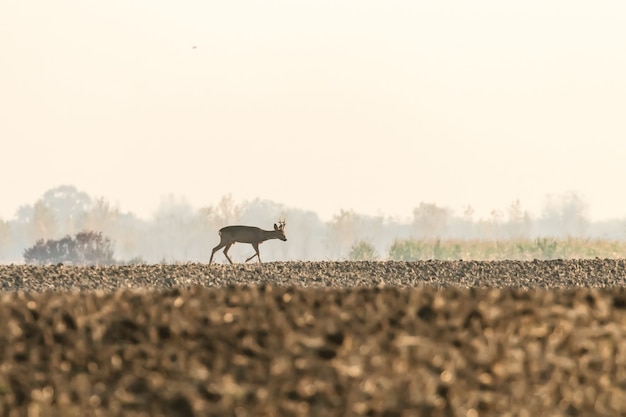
[(280, 228)]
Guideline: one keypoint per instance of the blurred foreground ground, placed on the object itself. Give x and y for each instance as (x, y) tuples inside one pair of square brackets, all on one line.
[(315, 339)]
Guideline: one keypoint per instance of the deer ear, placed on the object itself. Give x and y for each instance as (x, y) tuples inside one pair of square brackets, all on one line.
[(275, 227)]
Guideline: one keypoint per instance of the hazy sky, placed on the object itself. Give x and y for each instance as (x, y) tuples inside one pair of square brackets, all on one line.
[(370, 105)]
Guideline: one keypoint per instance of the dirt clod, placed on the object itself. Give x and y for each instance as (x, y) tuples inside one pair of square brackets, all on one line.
[(271, 339)]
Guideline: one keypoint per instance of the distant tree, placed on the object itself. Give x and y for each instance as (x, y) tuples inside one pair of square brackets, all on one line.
[(69, 206), (430, 221), (44, 221), (225, 212), (519, 221), (342, 232), (211, 218), (494, 225), (101, 216), (229, 211), (60, 210), (173, 231), (86, 248), (465, 227), (565, 216)]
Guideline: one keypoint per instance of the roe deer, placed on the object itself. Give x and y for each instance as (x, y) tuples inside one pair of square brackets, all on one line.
[(247, 234)]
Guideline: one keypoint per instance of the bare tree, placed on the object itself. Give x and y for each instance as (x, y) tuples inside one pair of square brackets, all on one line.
[(342, 232), (430, 221), (518, 221)]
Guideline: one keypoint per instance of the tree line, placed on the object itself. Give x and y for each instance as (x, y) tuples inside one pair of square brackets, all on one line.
[(177, 232)]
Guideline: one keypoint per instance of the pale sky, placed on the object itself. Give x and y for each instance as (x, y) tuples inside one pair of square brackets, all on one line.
[(321, 105)]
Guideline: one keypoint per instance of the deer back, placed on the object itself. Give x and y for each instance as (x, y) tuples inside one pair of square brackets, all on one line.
[(241, 234)]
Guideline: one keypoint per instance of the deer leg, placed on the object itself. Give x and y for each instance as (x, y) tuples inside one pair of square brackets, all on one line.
[(215, 249), (226, 252), (256, 249)]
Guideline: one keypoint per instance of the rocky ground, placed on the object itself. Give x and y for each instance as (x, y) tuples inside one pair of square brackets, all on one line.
[(315, 339)]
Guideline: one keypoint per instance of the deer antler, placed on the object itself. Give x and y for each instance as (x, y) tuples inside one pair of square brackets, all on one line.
[(281, 224)]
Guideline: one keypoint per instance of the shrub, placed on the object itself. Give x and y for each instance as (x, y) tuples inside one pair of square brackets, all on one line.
[(547, 247), (137, 260), (362, 251), (408, 250), (86, 248)]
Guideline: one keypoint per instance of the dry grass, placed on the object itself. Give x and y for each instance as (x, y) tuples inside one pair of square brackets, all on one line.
[(519, 249)]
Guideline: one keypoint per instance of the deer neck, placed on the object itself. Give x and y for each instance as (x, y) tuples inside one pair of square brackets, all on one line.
[(269, 234)]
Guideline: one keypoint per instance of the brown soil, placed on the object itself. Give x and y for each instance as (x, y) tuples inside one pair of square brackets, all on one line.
[(315, 339)]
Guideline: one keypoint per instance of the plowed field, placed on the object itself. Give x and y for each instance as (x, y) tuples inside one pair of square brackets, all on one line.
[(315, 339)]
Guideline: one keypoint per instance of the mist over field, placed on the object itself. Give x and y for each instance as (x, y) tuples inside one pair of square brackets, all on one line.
[(178, 232), (367, 105)]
